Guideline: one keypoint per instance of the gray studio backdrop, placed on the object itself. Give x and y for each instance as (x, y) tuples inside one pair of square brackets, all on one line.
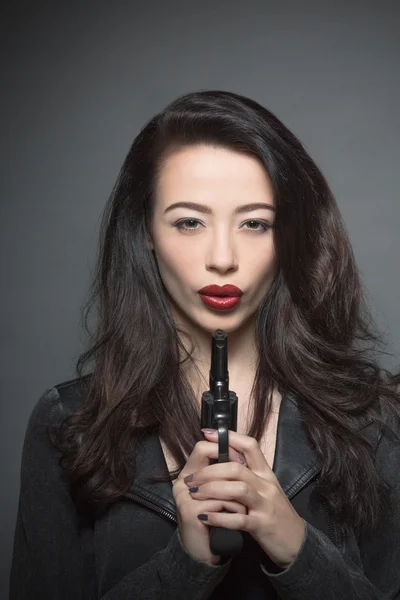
[(81, 79)]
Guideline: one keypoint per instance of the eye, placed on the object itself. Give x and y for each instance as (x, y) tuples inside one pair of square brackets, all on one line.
[(181, 225), (264, 226)]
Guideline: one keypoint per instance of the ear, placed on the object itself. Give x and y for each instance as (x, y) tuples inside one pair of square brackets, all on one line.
[(150, 244)]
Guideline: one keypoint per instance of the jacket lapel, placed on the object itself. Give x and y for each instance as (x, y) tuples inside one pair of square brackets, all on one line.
[(295, 461), (151, 461)]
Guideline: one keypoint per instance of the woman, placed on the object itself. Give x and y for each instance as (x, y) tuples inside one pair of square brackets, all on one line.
[(119, 488)]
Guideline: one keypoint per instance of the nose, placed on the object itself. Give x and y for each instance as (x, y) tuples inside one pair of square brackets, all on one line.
[(221, 254)]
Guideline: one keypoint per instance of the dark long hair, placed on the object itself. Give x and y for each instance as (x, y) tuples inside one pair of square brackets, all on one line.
[(314, 333)]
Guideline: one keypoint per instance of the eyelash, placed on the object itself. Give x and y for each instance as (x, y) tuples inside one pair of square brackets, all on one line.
[(265, 226)]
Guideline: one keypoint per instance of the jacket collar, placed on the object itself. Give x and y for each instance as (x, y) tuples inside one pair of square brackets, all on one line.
[(295, 461)]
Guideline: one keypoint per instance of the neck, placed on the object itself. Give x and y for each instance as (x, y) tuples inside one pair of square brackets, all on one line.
[(242, 357)]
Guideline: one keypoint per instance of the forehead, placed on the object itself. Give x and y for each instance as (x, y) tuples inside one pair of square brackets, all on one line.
[(206, 169)]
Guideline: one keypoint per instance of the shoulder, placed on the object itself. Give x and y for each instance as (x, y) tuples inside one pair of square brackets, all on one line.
[(390, 426), (59, 401), (387, 449)]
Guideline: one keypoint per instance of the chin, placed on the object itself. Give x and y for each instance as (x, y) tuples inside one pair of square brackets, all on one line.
[(228, 323)]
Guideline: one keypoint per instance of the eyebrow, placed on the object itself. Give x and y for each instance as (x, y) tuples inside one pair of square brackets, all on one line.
[(207, 210)]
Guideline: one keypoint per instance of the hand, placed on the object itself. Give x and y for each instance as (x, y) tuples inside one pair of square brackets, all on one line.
[(195, 537), (271, 519)]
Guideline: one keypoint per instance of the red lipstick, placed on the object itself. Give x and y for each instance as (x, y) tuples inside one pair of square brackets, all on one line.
[(219, 297), (225, 290)]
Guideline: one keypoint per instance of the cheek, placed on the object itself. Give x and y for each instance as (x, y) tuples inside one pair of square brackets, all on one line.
[(263, 271), (175, 263), (189, 253), (264, 260)]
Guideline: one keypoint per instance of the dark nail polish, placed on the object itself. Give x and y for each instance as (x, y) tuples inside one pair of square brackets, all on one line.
[(202, 517), (195, 488), (189, 478)]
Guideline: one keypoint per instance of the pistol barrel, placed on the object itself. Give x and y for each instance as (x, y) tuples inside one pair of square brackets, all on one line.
[(219, 374)]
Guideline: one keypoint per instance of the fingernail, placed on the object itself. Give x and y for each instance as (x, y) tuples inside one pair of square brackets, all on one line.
[(189, 478), (241, 458), (193, 489), (202, 517), (209, 431)]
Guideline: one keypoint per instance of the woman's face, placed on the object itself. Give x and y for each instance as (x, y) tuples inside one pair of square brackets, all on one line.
[(195, 249)]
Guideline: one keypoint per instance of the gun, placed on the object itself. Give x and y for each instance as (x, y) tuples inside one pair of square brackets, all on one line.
[(219, 411)]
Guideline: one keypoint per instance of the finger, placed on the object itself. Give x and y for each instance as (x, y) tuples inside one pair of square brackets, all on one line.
[(202, 453), (214, 505), (231, 471), (190, 508), (237, 521), (255, 459), (238, 491)]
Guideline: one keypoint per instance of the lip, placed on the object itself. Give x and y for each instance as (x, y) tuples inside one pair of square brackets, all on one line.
[(226, 290), (219, 303)]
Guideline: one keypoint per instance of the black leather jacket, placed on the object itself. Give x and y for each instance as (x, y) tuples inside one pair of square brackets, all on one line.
[(134, 551)]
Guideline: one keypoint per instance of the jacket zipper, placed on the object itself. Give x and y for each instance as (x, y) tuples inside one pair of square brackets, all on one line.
[(331, 532), (165, 513)]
